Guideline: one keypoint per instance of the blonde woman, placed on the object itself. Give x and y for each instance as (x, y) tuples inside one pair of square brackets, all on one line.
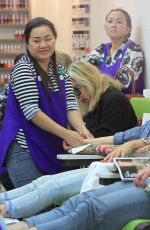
[(106, 105)]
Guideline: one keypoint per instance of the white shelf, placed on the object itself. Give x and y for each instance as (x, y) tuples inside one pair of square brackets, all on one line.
[(80, 28), (12, 21)]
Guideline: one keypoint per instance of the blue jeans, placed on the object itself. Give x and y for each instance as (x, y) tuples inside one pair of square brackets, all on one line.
[(42, 192), (20, 166), (108, 208), (3, 226)]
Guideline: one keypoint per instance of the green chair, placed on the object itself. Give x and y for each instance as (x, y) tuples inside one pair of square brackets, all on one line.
[(141, 105), (139, 224)]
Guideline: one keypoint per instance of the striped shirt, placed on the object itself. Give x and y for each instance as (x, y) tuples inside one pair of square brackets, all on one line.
[(25, 89)]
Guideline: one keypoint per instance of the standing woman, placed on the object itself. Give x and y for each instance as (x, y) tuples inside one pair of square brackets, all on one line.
[(41, 103), (121, 58), (107, 105)]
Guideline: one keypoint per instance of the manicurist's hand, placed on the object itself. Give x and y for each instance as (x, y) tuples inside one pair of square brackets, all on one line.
[(72, 139), (84, 132)]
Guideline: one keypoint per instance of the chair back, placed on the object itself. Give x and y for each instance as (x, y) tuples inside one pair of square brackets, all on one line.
[(140, 105)]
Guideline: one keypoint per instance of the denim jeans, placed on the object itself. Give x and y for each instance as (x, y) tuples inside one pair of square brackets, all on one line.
[(42, 192), (107, 208), (20, 166), (3, 226)]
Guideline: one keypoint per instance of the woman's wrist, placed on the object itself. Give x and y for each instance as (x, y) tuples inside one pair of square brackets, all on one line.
[(64, 133), (100, 140), (80, 128)]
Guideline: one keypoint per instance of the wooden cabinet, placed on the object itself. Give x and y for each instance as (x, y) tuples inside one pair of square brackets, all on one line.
[(14, 14)]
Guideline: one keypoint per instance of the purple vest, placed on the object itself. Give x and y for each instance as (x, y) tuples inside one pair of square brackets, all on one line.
[(42, 145), (112, 70)]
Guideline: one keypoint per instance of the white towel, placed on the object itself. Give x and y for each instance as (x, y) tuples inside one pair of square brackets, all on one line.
[(97, 170)]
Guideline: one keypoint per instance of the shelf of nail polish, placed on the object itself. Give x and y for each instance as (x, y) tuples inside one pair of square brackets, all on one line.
[(76, 2), (80, 34), (14, 14), (80, 22), (80, 28), (10, 51), (4, 79), (81, 9), (19, 18), (6, 63), (11, 4)]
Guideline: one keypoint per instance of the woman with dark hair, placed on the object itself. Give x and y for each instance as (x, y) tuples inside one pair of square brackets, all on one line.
[(40, 105), (121, 58)]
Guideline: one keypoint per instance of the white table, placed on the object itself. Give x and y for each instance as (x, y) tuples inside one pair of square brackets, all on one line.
[(71, 160)]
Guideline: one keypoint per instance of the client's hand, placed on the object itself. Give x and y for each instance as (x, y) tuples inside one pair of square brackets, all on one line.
[(72, 139), (120, 151), (66, 146), (141, 176), (84, 132), (3, 211)]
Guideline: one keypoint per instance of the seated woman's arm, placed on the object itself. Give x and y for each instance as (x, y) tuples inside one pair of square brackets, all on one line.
[(141, 176)]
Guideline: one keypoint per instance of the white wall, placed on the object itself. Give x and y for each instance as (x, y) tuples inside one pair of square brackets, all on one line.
[(59, 12), (144, 32), (55, 11)]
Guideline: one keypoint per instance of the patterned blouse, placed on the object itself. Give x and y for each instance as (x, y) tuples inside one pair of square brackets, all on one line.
[(129, 68), (3, 100)]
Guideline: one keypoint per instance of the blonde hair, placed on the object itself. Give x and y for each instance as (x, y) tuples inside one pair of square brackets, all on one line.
[(87, 75), (63, 59)]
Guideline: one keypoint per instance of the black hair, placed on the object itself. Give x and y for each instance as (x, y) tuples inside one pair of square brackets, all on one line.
[(33, 23), (127, 16), (18, 57)]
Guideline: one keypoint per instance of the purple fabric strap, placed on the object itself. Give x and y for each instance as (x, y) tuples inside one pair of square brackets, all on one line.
[(112, 70)]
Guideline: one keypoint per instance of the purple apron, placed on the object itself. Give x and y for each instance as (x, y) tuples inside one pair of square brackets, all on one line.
[(112, 70), (42, 145)]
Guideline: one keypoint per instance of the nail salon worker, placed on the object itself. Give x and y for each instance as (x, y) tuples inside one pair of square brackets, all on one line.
[(40, 105), (120, 58)]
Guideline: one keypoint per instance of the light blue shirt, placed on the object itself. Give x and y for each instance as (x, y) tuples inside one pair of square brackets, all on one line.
[(135, 133)]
